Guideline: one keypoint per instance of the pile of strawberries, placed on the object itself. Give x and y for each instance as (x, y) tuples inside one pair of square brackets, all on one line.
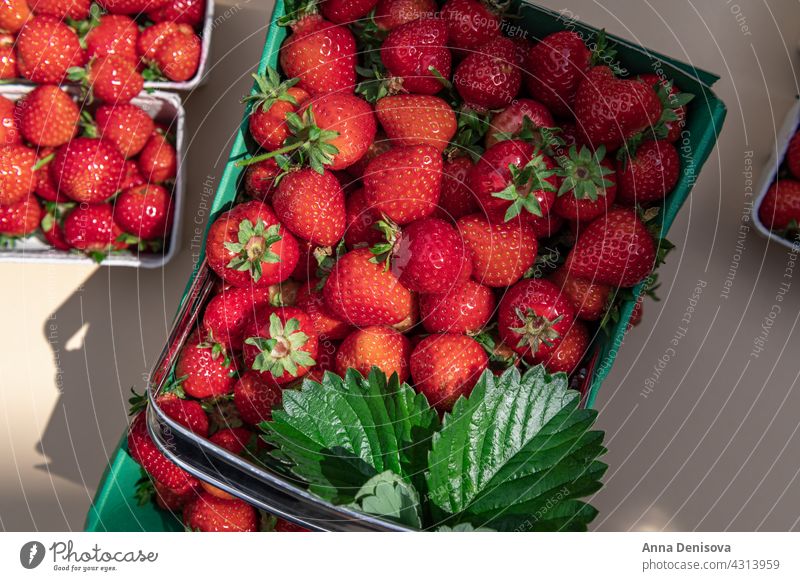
[(429, 197), (780, 208), (97, 179)]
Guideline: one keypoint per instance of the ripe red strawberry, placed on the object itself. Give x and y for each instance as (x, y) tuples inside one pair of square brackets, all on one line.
[(158, 160), (615, 249), (210, 514), (381, 144), (412, 51), (131, 177), (167, 499), (780, 208), (9, 133), (282, 345), (456, 199), (189, 12), (428, 256), (417, 120), (270, 105), (610, 110), (570, 351), (91, 228), (321, 54), (284, 526), (254, 398), (114, 34), (489, 77), (362, 219), (793, 156), (46, 49), (187, 412), (20, 219), (589, 299), (650, 174), (533, 317), (445, 367), (45, 188), (404, 183), (62, 9), (248, 246), (389, 14), (131, 6), (546, 226), (208, 372), (8, 57), (87, 170), (555, 68), (113, 79), (362, 293), (259, 179), (589, 185), (234, 440), (510, 121), (127, 126), (670, 94), (377, 346), (326, 325), (636, 313), (145, 212), (152, 38), (13, 15), (470, 23), (346, 11), (228, 314), (144, 451), (17, 176), (53, 230), (311, 206), (512, 178), (47, 116), (178, 56), (501, 251), (465, 309)]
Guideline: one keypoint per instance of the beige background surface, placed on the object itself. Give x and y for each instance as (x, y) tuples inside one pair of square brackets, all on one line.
[(712, 445)]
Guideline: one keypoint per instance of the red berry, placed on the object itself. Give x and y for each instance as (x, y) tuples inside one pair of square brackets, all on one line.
[(158, 160), (464, 309), (259, 179), (189, 12), (207, 372), (17, 176), (510, 120), (470, 23), (178, 56), (589, 299), (489, 77), (87, 170), (413, 50), (378, 346), (211, 514), (650, 174), (346, 11), (362, 217), (417, 120), (780, 207), (144, 451), (91, 228), (47, 116), (127, 126), (113, 35), (311, 206), (326, 325), (389, 14), (570, 351), (456, 199), (255, 398), (793, 156), (46, 49), (188, 413), (555, 68), (20, 219), (145, 212)]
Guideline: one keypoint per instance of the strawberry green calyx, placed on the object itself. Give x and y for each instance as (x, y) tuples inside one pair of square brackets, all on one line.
[(525, 181), (281, 352), (471, 129), (253, 247), (545, 138), (583, 173), (84, 27), (650, 219), (382, 252), (605, 53), (670, 103), (296, 10), (270, 90), (536, 330), (139, 244)]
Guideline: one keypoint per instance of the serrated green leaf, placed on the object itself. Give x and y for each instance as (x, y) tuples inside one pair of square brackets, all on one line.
[(388, 496)]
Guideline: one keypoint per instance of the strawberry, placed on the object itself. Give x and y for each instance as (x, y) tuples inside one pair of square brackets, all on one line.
[(404, 183), (229, 313), (127, 126), (114, 34), (282, 346), (113, 78), (234, 440), (650, 174), (259, 179), (178, 56), (793, 156), (589, 187), (362, 219), (9, 132), (144, 212), (168, 499), (152, 38), (189, 12), (248, 246), (570, 351), (188, 413), (389, 14), (362, 293), (489, 78), (513, 176), (501, 251), (144, 451), (47, 116), (780, 208), (87, 170), (376, 346), (321, 54), (207, 371), (45, 188), (62, 9), (91, 228), (509, 122), (610, 110), (466, 308), (589, 299), (555, 68), (311, 206), (53, 230), (546, 226), (17, 176), (445, 367), (13, 15), (131, 6), (8, 57), (416, 55), (672, 100), (19, 219), (636, 313), (284, 526), (346, 11), (158, 160), (270, 104), (456, 199), (46, 49), (417, 120), (470, 23), (326, 325), (131, 177), (380, 145), (616, 249), (254, 398), (533, 317), (210, 514), (522, 46)]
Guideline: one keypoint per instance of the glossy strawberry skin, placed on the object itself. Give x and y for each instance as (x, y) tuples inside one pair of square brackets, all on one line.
[(501, 251), (311, 206), (47, 116), (489, 77), (259, 179), (206, 374), (188, 413), (144, 211), (445, 367), (255, 398), (405, 182), (412, 48), (158, 160), (268, 126), (114, 79), (389, 14), (321, 54), (417, 120), (127, 126), (378, 346), (211, 514), (152, 38), (616, 249), (589, 299), (115, 34), (793, 156), (46, 49), (346, 11), (8, 58), (17, 177), (91, 228), (362, 218), (21, 218), (570, 351), (555, 68), (54, 235), (352, 118), (326, 325), (131, 6), (9, 132), (585, 209), (546, 226), (465, 309), (362, 293), (456, 199), (178, 57), (469, 23), (650, 174), (13, 15), (87, 170), (674, 128), (189, 12), (781, 204), (45, 188), (234, 440), (510, 119), (229, 313)]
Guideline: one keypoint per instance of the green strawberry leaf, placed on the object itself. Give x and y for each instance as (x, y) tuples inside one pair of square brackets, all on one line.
[(463, 528), (145, 490), (388, 496)]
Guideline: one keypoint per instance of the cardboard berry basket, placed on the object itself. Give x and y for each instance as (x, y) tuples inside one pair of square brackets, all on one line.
[(275, 492), (791, 125), (165, 108)]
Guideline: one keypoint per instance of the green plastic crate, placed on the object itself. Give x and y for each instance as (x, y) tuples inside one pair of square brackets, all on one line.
[(706, 113)]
